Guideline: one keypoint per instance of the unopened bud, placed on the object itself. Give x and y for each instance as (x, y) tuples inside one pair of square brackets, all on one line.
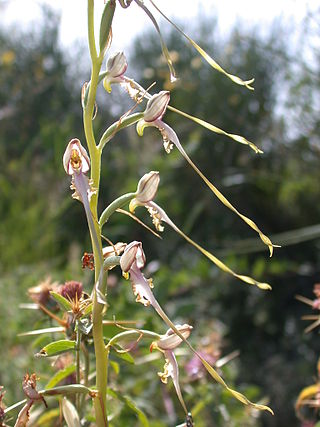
[(133, 254), (75, 158), (146, 190), (114, 250), (116, 67), (156, 106), (147, 187), (171, 340)]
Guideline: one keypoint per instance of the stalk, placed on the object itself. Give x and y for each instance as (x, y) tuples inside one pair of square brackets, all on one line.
[(78, 370), (95, 157)]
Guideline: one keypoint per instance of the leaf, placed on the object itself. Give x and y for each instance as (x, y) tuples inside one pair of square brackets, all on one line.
[(46, 418), (122, 354), (118, 125), (115, 366), (66, 390), (64, 304), (88, 310), (130, 405), (70, 414), (42, 331), (56, 347), (59, 376)]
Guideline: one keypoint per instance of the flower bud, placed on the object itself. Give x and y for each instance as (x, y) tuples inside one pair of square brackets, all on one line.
[(146, 190), (132, 255), (75, 158), (114, 250), (116, 67), (156, 106), (171, 340), (147, 187)]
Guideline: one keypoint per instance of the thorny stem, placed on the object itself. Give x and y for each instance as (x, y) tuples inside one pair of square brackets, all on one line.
[(95, 157)]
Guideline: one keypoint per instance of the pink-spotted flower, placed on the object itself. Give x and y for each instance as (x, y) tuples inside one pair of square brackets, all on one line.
[(156, 108), (146, 190), (166, 344), (116, 67)]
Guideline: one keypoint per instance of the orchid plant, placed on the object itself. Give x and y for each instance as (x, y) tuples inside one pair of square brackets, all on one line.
[(81, 324)]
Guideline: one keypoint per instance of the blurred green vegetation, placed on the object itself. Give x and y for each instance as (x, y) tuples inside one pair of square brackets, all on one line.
[(43, 231)]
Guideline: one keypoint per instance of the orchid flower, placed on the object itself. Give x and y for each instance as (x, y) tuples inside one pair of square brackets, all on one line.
[(156, 108), (131, 262), (166, 344), (76, 163)]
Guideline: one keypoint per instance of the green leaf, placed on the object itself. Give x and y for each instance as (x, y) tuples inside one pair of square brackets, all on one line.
[(105, 25), (130, 405), (118, 125), (64, 304), (57, 347), (61, 375), (42, 331), (66, 390), (88, 310), (47, 418), (123, 355), (115, 366)]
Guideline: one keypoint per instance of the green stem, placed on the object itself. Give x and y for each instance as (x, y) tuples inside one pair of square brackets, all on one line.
[(95, 157), (78, 374), (116, 204), (86, 369)]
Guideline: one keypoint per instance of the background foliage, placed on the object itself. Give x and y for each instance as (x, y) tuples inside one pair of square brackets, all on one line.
[(43, 231)]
